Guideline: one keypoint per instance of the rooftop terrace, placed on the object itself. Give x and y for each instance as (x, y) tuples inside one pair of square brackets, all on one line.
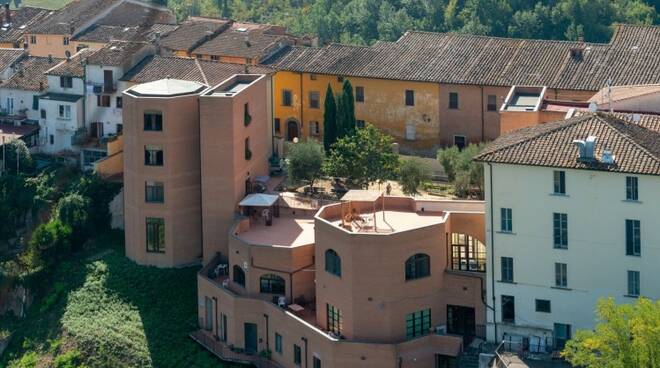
[(289, 230)]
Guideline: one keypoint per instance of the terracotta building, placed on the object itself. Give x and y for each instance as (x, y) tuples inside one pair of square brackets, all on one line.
[(435, 89), (373, 281)]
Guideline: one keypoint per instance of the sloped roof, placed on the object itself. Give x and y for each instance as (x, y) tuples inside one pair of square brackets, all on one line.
[(619, 93), (32, 74), (259, 200), (72, 67), (115, 53), (137, 14), (192, 32), (631, 57), (105, 33), (10, 56), (153, 68), (242, 40), (72, 16), (635, 145), (21, 19)]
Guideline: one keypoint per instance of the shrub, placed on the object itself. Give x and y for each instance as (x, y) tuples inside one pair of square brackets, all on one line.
[(70, 359), (28, 360), (466, 174), (50, 242), (304, 161), (413, 173)]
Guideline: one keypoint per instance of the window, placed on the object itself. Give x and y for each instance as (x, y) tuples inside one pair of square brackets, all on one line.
[(64, 112), (453, 100), (631, 188), (91, 156), (247, 118), (153, 121), (52, 139), (239, 275), (633, 238), (314, 100), (508, 309), (314, 129), (66, 82), (248, 153), (506, 225), (208, 306), (467, 253), (278, 343), (561, 277), (271, 284), (418, 266), (316, 362), (277, 125), (562, 335), (103, 100), (418, 324), (65, 40), (154, 192), (559, 179), (33, 39), (560, 230), (332, 262), (340, 79), (287, 99), (359, 124), (542, 305), (359, 94), (153, 156), (119, 129), (312, 76), (297, 355), (155, 235), (35, 102), (215, 57), (410, 132), (492, 103), (334, 320), (410, 98), (507, 269), (460, 141), (633, 283), (119, 102)]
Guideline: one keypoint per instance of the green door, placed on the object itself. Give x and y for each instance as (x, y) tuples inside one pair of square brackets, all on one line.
[(250, 338)]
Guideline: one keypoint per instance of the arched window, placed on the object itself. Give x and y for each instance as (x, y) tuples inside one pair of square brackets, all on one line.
[(332, 262), (467, 253), (418, 266), (239, 275), (271, 284)]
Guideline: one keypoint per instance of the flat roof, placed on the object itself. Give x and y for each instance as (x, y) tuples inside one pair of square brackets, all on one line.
[(286, 231), (167, 87), (391, 221), (361, 195)]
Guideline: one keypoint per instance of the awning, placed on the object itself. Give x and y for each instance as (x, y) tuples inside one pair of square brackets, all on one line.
[(361, 195), (259, 200)]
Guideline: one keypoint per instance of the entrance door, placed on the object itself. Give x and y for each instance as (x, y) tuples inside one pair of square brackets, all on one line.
[(250, 338), (460, 321), (291, 130)]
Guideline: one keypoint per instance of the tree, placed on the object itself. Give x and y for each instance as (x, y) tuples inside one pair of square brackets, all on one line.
[(99, 192), (72, 210), (304, 161), (365, 157), (50, 242), (626, 335), (16, 149), (412, 174), (329, 119), (466, 174), (346, 111)]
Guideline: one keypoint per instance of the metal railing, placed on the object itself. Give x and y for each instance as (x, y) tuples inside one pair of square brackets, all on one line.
[(223, 352)]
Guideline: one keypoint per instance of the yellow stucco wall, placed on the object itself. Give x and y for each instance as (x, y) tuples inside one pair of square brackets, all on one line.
[(53, 44)]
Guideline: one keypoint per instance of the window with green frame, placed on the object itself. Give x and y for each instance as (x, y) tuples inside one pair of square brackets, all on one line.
[(418, 323), (297, 355), (278, 343), (155, 235), (334, 319), (332, 262)]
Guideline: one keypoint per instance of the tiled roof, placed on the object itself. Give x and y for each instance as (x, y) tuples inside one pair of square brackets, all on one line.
[(115, 53), (619, 93), (153, 68), (242, 40), (31, 74), (103, 33), (192, 32), (10, 56), (635, 145), (72, 16), (72, 67), (21, 20), (133, 14), (630, 58)]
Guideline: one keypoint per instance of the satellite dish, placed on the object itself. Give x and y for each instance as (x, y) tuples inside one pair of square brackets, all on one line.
[(593, 107)]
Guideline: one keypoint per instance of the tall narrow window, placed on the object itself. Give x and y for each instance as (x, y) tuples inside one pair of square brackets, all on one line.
[(153, 156), (66, 81), (153, 121), (507, 269), (632, 188), (633, 283), (506, 215), (316, 362), (239, 275), (287, 99), (65, 40), (559, 182), (508, 309), (418, 266), (562, 335), (410, 97), (155, 235), (154, 192), (418, 323), (560, 230), (248, 152), (561, 275), (278, 343), (492, 103), (453, 100), (334, 319), (208, 320), (633, 238), (247, 118), (297, 355), (359, 94), (332, 262), (314, 100)]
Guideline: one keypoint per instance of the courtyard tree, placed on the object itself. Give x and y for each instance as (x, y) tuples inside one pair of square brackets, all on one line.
[(412, 174), (304, 162), (466, 174), (329, 119)]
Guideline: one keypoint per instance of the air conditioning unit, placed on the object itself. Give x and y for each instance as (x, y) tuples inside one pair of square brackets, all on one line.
[(98, 90)]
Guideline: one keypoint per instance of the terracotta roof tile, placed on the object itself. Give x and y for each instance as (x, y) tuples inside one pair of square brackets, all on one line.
[(244, 40), (21, 20), (31, 74), (9, 57), (116, 53), (72, 67), (192, 32)]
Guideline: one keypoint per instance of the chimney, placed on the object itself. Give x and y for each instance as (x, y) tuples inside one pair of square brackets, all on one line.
[(247, 41), (587, 148)]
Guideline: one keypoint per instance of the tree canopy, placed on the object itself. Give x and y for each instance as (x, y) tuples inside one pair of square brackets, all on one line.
[(412, 174), (329, 119), (466, 174), (304, 161)]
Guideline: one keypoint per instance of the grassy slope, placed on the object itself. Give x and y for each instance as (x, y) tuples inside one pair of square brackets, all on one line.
[(115, 313)]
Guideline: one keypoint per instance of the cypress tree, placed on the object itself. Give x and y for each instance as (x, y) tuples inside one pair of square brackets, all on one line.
[(341, 116), (349, 109), (329, 119)]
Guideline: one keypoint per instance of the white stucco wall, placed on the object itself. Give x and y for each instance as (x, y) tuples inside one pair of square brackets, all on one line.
[(109, 116), (62, 129), (596, 256), (54, 86), (22, 100)]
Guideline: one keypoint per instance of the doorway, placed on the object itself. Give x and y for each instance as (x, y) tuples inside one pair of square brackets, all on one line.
[(461, 321), (292, 130), (250, 338)]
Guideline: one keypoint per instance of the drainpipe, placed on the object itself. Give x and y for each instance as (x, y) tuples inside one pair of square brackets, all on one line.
[(272, 114), (267, 334), (482, 114), (302, 107), (492, 246)]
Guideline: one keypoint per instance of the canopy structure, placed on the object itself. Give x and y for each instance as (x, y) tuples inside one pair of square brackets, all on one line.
[(361, 195), (259, 200)]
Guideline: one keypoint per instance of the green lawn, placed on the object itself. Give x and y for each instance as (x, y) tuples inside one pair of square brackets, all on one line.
[(106, 311)]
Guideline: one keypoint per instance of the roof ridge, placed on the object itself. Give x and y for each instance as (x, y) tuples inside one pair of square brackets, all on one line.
[(462, 34), (616, 124), (201, 71)]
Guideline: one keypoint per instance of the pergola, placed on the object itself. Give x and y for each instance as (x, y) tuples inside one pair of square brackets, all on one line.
[(255, 201)]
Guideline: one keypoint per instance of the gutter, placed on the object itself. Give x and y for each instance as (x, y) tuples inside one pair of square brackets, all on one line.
[(492, 247)]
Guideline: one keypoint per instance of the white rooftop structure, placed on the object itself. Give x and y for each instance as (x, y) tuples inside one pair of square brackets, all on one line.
[(167, 88), (259, 200)]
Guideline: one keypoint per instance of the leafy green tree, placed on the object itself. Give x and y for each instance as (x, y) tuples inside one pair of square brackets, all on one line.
[(50, 242), (17, 150), (412, 174), (100, 193), (16, 201), (345, 111), (626, 335), (466, 174), (304, 161), (364, 157), (72, 210), (329, 119)]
